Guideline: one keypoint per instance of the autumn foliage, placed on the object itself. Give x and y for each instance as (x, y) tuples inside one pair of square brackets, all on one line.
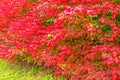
[(80, 39)]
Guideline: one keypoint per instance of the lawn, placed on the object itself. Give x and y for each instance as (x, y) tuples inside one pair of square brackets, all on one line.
[(24, 72)]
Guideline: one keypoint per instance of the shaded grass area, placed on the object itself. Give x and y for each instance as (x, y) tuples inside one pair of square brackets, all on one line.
[(20, 72)]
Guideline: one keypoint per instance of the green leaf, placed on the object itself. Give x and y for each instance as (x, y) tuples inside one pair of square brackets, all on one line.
[(105, 28), (49, 21), (118, 16)]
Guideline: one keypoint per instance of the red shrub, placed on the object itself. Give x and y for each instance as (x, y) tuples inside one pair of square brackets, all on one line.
[(79, 38)]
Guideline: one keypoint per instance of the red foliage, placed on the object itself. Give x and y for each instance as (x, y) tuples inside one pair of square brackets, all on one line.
[(79, 38)]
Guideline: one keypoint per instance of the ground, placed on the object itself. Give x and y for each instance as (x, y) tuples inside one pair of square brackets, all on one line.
[(24, 72)]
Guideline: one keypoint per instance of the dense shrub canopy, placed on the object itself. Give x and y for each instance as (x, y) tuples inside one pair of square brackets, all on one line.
[(79, 38)]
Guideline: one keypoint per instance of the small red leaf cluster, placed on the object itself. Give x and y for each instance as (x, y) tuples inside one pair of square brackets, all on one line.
[(79, 38)]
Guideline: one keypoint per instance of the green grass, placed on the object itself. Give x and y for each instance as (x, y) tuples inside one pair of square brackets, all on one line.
[(18, 72)]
